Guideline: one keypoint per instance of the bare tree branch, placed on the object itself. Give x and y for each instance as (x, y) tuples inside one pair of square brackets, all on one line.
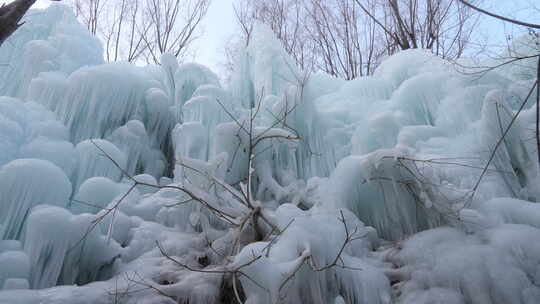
[(10, 16), (514, 21)]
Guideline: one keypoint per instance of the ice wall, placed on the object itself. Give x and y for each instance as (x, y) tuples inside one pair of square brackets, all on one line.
[(25, 184), (31, 131), (390, 158), (50, 41), (264, 69), (63, 250), (320, 245), (16, 267), (94, 158), (423, 135)]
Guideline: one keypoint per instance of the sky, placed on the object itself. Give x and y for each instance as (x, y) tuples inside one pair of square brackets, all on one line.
[(219, 25)]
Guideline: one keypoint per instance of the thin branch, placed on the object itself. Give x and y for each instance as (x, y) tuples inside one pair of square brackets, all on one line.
[(492, 156), (530, 25)]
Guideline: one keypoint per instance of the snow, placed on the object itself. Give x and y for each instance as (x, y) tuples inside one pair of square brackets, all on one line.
[(492, 272), (158, 184), (319, 244)]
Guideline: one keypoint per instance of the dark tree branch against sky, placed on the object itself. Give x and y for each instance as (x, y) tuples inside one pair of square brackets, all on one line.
[(518, 22), (11, 15)]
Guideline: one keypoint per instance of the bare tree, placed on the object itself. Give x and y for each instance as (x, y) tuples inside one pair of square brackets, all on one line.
[(286, 18), (11, 15), (439, 25), (123, 31), (346, 43), (135, 33), (531, 26), (246, 218), (244, 13), (471, 5), (143, 29), (117, 23), (172, 25), (347, 38), (89, 12)]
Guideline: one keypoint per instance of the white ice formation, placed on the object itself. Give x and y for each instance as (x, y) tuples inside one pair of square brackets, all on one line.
[(158, 184)]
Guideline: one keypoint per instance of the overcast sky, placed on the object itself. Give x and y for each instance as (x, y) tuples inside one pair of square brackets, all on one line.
[(219, 24)]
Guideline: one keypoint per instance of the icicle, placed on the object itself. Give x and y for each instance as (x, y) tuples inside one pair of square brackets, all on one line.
[(25, 184)]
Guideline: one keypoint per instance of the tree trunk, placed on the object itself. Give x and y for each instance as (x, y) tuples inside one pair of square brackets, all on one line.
[(10, 17)]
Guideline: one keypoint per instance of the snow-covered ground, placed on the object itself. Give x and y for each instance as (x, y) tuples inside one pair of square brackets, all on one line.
[(159, 184)]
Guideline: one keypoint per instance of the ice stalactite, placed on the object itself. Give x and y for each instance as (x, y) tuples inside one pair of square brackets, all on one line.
[(208, 107), (74, 254), (95, 194), (51, 41), (61, 153), (92, 161), (384, 193), (141, 157), (188, 78), (159, 120), (30, 131), (116, 96), (288, 270), (265, 69), (158, 184), (16, 266), (97, 100), (27, 183), (190, 140)]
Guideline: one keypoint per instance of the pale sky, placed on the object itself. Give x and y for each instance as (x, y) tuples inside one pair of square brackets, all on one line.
[(219, 24)]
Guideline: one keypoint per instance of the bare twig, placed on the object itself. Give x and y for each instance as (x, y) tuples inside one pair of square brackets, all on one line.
[(501, 139), (306, 256), (514, 21)]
